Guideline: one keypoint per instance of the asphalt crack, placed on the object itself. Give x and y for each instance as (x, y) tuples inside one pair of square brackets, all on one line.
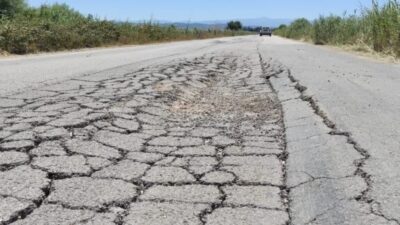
[(283, 157), (167, 138), (360, 172)]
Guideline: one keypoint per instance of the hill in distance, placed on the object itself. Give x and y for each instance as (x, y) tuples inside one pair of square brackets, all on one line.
[(221, 24), (254, 22)]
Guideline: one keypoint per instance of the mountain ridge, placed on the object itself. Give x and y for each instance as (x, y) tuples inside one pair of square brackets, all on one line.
[(220, 24)]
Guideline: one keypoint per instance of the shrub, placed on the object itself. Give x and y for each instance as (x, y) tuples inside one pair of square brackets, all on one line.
[(300, 28), (325, 29), (58, 27), (281, 30), (378, 28), (12, 7)]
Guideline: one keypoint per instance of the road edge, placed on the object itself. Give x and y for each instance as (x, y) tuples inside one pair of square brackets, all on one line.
[(345, 196)]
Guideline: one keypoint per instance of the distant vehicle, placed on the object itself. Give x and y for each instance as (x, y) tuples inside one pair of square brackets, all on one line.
[(266, 31)]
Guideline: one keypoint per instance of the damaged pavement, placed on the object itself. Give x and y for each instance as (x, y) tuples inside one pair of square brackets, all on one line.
[(221, 138)]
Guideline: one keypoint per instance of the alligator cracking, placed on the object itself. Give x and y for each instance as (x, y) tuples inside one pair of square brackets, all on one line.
[(198, 126)]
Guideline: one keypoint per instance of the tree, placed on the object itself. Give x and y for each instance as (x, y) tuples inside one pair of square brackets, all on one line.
[(12, 7), (234, 25)]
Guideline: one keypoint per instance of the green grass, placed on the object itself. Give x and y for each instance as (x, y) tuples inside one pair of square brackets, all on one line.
[(58, 27), (377, 28)]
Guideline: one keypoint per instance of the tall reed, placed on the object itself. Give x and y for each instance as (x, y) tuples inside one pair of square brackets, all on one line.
[(377, 28)]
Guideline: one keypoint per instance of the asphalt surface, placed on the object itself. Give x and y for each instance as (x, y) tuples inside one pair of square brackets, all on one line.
[(19, 72), (237, 131)]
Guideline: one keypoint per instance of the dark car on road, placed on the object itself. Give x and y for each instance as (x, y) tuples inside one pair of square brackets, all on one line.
[(266, 31)]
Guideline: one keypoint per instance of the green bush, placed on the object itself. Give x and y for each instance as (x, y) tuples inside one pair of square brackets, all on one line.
[(11, 7), (59, 27), (378, 28), (300, 28), (281, 30), (326, 29)]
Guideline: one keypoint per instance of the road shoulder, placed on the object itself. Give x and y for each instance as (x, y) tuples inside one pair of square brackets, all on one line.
[(325, 177)]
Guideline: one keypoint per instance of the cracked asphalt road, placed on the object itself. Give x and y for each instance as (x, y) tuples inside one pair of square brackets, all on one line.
[(210, 136)]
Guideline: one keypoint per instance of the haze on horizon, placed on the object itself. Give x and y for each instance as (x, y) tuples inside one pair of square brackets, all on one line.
[(208, 10)]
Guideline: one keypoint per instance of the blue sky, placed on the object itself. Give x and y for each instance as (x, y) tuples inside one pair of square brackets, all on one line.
[(200, 10)]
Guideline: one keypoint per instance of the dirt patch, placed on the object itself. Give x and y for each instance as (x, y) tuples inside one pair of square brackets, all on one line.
[(218, 103), (223, 96)]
